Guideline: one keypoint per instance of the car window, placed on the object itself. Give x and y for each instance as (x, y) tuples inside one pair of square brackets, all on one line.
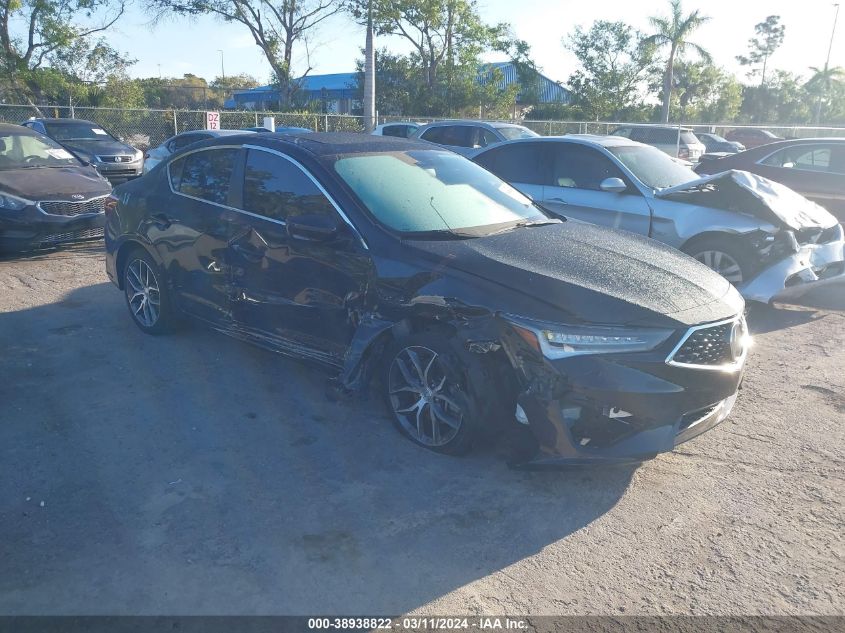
[(652, 167), (454, 135), (206, 174), (422, 191), (27, 150), (482, 137), (400, 131), (520, 163), (276, 188), (803, 157), (187, 139), (622, 131), (580, 167), (512, 132), (78, 131)]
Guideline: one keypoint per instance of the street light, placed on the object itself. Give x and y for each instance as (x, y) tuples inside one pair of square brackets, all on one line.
[(827, 67), (222, 70)]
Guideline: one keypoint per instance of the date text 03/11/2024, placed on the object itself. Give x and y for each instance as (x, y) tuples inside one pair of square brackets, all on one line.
[(417, 623)]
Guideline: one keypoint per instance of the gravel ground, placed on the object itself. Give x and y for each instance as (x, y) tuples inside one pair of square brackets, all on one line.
[(193, 474)]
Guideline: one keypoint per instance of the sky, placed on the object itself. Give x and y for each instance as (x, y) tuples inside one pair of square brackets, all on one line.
[(193, 46)]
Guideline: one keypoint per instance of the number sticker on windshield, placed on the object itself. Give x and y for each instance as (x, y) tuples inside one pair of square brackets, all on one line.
[(100, 131)]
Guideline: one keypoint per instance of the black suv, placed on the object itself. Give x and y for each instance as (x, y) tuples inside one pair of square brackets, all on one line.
[(477, 312)]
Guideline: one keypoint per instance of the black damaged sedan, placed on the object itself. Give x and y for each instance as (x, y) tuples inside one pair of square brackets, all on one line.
[(474, 311), (47, 196)]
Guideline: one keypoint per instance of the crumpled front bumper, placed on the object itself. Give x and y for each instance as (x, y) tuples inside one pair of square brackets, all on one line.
[(623, 408), (788, 279)]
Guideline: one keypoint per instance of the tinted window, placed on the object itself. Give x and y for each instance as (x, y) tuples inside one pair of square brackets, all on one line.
[(455, 135), (515, 163), (187, 139), (512, 132), (278, 189), (484, 138), (401, 131), (28, 150), (580, 167), (622, 131), (805, 157), (206, 174)]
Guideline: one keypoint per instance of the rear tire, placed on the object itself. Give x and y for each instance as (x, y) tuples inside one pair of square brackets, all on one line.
[(145, 290), (724, 256)]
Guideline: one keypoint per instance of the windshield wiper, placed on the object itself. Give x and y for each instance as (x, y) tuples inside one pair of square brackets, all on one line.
[(525, 224)]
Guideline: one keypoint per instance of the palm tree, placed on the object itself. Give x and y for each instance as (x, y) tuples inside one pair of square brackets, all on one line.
[(820, 84), (674, 32)]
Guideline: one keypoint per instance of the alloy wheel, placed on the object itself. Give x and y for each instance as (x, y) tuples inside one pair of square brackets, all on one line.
[(722, 263), (142, 293), (422, 396)]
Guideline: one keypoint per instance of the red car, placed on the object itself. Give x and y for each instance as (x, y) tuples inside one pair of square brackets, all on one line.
[(814, 167), (752, 137)]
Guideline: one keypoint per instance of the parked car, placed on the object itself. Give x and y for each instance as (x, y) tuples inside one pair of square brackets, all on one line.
[(814, 167), (114, 159), (399, 129), (47, 196), (478, 312), (677, 142), (715, 143), (154, 156), (464, 137), (770, 242), (279, 130), (752, 137)]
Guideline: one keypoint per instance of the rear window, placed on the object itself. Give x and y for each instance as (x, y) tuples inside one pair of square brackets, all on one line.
[(206, 174), (512, 132)]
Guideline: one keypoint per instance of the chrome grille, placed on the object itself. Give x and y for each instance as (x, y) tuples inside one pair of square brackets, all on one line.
[(72, 236), (69, 208), (122, 158), (714, 346)]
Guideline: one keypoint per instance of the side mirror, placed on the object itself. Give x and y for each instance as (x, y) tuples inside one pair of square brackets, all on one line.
[(788, 165), (312, 227), (613, 185)]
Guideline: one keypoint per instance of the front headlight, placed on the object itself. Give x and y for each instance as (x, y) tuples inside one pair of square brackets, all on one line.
[(564, 341), (12, 203)]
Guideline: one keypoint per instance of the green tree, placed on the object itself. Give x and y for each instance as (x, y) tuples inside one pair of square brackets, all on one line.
[(820, 84), (615, 65), (276, 26), (770, 33), (674, 32), (705, 93), (782, 100), (51, 28)]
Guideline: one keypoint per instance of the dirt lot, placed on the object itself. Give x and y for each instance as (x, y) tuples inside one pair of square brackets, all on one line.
[(196, 474)]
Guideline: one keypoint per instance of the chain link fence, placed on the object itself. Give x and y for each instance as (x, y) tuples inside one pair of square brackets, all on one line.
[(144, 128)]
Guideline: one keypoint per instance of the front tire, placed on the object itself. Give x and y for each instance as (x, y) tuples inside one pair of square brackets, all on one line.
[(429, 398), (723, 256), (146, 294)]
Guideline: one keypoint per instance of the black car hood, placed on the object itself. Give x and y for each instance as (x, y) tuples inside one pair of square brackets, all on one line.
[(594, 274), (105, 147), (53, 183)]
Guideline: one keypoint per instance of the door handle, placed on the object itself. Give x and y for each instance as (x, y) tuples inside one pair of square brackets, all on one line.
[(558, 200), (252, 255), (161, 221)]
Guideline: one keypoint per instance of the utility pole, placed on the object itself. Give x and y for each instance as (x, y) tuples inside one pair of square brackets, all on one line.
[(827, 66), (222, 69), (369, 74)]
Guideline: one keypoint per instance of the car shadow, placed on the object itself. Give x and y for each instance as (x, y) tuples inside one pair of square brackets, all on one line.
[(88, 247), (812, 306), (193, 473)]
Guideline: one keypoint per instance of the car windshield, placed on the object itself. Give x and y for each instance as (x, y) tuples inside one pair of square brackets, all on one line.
[(716, 138), (18, 151), (652, 167), (511, 132), (427, 191), (77, 132)]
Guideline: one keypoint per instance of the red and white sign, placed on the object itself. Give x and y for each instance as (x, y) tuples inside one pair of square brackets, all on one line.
[(212, 120)]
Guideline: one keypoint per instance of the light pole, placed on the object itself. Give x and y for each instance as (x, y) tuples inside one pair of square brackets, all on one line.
[(827, 66), (222, 69), (369, 73)]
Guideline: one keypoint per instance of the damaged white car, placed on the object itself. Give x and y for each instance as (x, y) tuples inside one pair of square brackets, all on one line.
[(769, 241)]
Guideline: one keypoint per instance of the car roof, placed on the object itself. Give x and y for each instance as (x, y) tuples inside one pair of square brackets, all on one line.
[(216, 133), (321, 144), (11, 128), (653, 127), (62, 121)]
